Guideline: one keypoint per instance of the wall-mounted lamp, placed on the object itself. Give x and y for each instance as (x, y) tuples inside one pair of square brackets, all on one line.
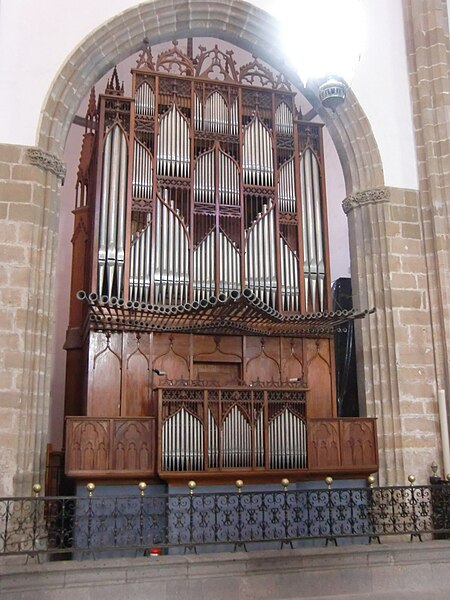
[(332, 93), (159, 372)]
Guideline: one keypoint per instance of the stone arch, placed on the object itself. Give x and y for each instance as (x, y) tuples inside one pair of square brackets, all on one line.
[(237, 22), (254, 30)]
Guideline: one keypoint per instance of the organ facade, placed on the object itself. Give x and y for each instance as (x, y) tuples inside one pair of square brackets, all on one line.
[(200, 342)]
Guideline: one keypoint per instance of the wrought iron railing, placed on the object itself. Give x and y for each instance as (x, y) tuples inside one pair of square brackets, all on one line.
[(95, 526)]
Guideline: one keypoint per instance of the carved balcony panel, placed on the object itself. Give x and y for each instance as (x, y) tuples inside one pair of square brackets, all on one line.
[(110, 448), (343, 445)]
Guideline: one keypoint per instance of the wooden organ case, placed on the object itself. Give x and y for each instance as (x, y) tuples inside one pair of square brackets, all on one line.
[(200, 341)]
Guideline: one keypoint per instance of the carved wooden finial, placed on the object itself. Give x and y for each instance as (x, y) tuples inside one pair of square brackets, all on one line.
[(145, 58), (113, 86)]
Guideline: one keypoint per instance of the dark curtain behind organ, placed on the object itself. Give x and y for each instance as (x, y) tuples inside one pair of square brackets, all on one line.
[(346, 382)]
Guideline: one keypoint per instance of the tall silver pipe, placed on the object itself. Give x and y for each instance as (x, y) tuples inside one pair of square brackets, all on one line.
[(311, 227), (104, 211), (156, 255), (306, 261), (114, 183), (198, 113), (318, 229), (233, 118), (120, 253)]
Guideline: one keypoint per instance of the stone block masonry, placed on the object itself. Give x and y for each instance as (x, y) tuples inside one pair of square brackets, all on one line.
[(378, 572), (28, 213)]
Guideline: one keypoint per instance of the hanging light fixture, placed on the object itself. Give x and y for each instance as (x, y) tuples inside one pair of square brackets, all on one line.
[(332, 93)]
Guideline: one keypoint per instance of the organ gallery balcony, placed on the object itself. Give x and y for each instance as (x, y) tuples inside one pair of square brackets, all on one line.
[(215, 434)]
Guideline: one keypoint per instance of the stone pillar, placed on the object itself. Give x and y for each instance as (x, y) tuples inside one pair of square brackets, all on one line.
[(428, 54), (394, 345), (29, 180)]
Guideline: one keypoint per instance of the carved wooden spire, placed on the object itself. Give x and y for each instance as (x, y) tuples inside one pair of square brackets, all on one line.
[(145, 58), (113, 86)]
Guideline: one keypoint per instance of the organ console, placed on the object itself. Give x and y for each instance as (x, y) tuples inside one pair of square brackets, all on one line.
[(200, 335)]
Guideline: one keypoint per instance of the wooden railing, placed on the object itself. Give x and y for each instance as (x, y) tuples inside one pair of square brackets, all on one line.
[(116, 448)]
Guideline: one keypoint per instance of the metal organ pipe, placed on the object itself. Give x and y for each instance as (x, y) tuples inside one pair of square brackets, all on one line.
[(170, 267), (257, 154), (289, 277), (286, 187), (216, 113), (204, 178), (318, 229), (228, 264), (198, 113), (234, 119), (144, 100), (314, 266), (173, 144), (284, 122), (228, 180), (204, 268), (260, 255), (112, 213), (142, 172), (287, 441)]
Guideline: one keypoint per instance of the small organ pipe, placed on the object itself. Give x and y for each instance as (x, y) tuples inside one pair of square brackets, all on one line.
[(142, 172), (284, 119), (257, 154), (173, 144), (286, 187), (144, 100)]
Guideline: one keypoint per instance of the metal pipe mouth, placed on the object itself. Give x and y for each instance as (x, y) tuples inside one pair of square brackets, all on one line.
[(93, 297), (136, 304), (234, 294), (104, 299), (188, 307), (81, 295), (248, 293), (221, 298), (120, 302), (143, 305), (129, 304), (113, 301), (212, 300), (204, 303), (195, 305)]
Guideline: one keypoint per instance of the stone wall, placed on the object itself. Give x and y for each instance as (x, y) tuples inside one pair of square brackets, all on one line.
[(378, 572), (28, 212), (398, 375)]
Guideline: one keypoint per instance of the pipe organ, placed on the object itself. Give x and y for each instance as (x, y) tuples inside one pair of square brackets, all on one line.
[(201, 252)]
